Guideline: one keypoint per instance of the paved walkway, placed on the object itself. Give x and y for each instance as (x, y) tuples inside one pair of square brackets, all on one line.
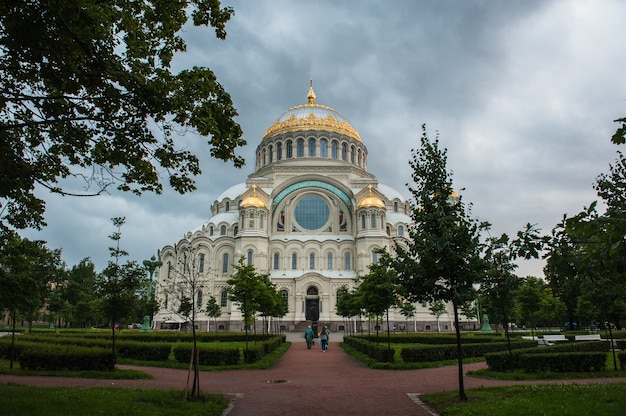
[(309, 382)]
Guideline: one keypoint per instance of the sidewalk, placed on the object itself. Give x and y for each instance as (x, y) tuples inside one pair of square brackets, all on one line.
[(309, 381)]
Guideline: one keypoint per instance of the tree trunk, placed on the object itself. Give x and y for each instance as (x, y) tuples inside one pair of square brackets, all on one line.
[(459, 353)]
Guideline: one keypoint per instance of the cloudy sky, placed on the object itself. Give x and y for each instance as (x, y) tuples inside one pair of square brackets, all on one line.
[(523, 95)]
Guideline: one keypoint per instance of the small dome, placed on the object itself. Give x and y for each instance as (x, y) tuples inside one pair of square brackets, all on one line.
[(253, 201), (371, 201), (311, 116)]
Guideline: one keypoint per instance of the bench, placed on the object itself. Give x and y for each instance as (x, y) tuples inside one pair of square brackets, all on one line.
[(549, 339), (594, 337)]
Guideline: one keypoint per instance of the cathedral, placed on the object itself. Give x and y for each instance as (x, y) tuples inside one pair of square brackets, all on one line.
[(310, 216)]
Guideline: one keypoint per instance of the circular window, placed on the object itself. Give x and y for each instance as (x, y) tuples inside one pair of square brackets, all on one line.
[(311, 212)]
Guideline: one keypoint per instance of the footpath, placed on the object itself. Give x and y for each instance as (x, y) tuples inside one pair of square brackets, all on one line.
[(312, 382)]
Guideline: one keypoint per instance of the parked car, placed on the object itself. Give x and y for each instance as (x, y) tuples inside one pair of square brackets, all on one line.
[(134, 326), (567, 326)]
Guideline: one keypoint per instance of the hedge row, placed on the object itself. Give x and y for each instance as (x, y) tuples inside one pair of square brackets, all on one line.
[(430, 353), (438, 339), (72, 358), (379, 352), (505, 361), (216, 355)]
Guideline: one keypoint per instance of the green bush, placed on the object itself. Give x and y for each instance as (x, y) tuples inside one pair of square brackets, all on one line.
[(146, 351), (430, 353), (56, 358), (208, 355), (562, 362)]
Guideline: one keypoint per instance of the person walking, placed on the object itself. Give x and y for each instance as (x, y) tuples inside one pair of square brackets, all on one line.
[(308, 337), (324, 338)]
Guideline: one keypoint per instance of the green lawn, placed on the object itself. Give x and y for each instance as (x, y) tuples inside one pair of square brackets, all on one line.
[(103, 401), (536, 400)]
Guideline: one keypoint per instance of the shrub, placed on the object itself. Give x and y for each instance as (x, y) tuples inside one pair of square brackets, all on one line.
[(562, 362), (52, 357)]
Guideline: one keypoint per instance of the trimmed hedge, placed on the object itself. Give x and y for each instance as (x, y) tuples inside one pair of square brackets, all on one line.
[(430, 353), (563, 362), (207, 355), (145, 351), (72, 358), (503, 361)]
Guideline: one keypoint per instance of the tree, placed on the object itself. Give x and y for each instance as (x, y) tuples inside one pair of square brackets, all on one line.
[(186, 286), (88, 93), (118, 284), (250, 290), (213, 309), (620, 134), (529, 298), (563, 267), (79, 293), (442, 259), (378, 290), (26, 269), (500, 284), (438, 308), (348, 303)]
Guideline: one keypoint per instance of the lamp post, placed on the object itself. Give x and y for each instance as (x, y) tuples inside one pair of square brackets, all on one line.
[(150, 265)]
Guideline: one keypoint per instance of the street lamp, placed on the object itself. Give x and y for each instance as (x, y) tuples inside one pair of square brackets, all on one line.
[(150, 265)]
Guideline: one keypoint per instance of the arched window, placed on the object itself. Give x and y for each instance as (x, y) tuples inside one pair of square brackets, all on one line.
[(388, 230), (400, 230), (227, 206), (352, 153), (169, 269), (359, 157), (225, 263), (334, 149), (373, 221), (300, 148), (201, 263), (165, 303), (250, 257), (276, 261), (312, 291), (264, 157), (312, 148), (363, 221), (261, 221), (236, 230), (224, 299), (344, 151), (374, 257), (395, 207), (284, 294), (223, 230), (271, 150), (312, 261), (347, 262), (294, 261), (279, 151), (289, 145), (199, 300), (329, 260), (211, 230), (323, 148)]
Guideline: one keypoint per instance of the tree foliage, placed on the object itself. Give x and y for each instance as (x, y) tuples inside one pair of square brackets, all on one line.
[(442, 260), (117, 284), (87, 92)]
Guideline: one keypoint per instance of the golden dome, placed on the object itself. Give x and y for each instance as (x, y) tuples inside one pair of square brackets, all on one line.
[(371, 201), (253, 201), (311, 116)]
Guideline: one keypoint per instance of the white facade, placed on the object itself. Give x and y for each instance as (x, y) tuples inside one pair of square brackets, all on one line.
[(310, 216)]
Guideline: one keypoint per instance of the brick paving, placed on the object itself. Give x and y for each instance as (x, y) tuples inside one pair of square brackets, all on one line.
[(311, 381)]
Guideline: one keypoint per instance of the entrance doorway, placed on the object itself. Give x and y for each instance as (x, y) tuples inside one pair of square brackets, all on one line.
[(312, 308)]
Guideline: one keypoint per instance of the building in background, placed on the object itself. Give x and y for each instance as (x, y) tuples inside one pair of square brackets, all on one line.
[(311, 216)]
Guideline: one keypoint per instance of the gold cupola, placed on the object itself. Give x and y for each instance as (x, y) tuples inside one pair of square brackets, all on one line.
[(311, 116), (371, 201), (253, 201)]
